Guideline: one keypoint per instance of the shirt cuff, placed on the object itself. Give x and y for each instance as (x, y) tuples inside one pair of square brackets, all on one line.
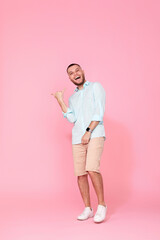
[(65, 113), (97, 118)]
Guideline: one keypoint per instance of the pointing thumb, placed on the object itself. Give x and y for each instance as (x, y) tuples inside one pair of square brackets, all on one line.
[(63, 90)]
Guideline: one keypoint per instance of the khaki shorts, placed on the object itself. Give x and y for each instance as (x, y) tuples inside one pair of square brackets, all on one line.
[(87, 157)]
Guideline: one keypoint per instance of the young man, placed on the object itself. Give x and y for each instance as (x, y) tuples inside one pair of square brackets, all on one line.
[(85, 111)]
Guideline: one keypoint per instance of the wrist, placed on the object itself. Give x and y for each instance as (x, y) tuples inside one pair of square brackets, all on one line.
[(89, 130), (60, 100)]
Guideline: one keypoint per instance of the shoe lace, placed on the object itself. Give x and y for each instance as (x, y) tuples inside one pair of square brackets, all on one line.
[(85, 210)]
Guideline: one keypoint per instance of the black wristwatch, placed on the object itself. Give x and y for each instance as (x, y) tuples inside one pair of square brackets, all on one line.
[(88, 130)]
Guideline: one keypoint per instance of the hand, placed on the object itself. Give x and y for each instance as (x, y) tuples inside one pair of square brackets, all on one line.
[(59, 94), (86, 137)]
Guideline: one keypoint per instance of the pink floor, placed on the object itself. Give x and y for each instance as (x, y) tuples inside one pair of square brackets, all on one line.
[(45, 218)]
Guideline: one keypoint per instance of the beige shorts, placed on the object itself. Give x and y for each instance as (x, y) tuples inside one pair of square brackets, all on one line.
[(86, 157)]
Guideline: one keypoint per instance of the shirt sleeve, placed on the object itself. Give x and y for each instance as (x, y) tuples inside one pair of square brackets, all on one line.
[(70, 115), (99, 102)]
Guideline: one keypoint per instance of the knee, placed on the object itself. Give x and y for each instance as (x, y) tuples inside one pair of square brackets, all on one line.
[(92, 173), (82, 177)]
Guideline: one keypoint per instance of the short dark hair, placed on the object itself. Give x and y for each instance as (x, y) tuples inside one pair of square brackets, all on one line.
[(72, 64)]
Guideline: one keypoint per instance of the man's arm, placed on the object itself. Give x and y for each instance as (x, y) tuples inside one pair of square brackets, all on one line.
[(93, 125), (87, 135), (67, 111), (99, 108), (62, 105), (59, 96), (99, 102)]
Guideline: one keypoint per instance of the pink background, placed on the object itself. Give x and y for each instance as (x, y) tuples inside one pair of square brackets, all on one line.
[(117, 44)]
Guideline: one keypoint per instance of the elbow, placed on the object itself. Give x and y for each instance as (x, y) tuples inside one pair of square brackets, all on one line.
[(69, 115), (71, 118), (97, 117)]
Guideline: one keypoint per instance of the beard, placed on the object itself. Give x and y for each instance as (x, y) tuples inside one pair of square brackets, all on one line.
[(82, 82)]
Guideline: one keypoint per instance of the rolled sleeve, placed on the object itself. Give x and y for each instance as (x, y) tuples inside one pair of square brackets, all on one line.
[(70, 115), (99, 101)]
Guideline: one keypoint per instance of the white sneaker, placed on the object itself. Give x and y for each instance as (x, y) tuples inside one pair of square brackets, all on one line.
[(87, 213), (100, 214)]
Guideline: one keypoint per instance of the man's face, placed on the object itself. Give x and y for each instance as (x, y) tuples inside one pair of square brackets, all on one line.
[(76, 75)]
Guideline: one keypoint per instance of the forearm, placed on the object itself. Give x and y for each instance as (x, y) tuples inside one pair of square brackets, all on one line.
[(87, 135), (93, 125), (62, 105)]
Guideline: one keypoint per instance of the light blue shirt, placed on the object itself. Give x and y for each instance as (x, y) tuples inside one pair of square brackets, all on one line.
[(86, 105)]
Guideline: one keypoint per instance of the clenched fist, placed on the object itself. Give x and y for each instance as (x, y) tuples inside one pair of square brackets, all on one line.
[(59, 94)]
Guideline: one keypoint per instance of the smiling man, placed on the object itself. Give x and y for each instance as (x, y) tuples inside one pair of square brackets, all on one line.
[(86, 110)]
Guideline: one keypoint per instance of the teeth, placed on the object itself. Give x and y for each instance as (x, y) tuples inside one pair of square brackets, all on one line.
[(77, 78)]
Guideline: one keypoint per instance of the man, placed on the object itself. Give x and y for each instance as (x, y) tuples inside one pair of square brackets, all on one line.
[(85, 111)]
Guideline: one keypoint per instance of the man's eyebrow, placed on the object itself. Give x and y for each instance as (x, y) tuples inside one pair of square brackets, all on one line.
[(72, 71)]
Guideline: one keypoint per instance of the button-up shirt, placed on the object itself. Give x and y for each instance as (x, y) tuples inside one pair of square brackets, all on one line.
[(86, 105)]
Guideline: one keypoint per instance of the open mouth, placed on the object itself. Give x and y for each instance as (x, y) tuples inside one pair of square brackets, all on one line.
[(77, 78)]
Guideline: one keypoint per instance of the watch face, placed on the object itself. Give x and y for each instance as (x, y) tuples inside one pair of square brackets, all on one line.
[(88, 129)]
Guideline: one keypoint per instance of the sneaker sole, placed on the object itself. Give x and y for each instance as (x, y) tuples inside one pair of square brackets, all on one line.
[(92, 215)]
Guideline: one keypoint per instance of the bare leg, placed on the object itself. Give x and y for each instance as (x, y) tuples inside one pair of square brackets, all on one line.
[(84, 189), (97, 182)]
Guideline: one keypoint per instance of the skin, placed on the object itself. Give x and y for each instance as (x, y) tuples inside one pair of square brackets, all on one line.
[(96, 178)]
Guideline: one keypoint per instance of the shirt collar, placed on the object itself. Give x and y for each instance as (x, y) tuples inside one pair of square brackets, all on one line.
[(84, 85)]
